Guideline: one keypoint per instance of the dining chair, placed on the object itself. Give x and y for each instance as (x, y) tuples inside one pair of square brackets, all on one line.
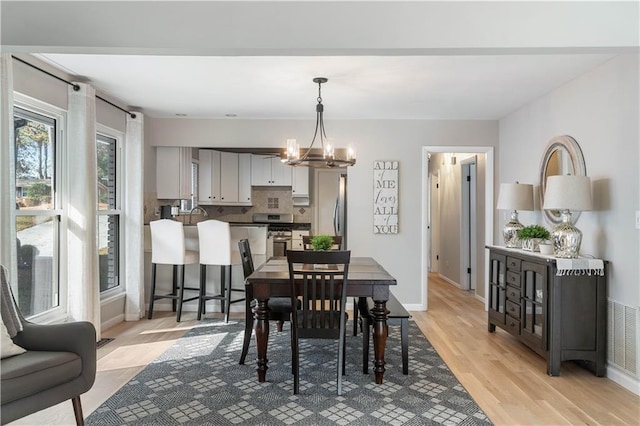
[(306, 242), (168, 248), (214, 239), (280, 307), (319, 280)]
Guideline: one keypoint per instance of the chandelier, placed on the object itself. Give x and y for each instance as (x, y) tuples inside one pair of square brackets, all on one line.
[(325, 157)]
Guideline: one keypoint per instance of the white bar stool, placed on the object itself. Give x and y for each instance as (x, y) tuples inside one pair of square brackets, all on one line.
[(216, 248), (168, 248)]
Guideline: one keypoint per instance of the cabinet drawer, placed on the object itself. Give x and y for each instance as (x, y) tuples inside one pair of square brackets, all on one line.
[(512, 325), (513, 264), (513, 278), (513, 294), (298, 234), (513, 309)]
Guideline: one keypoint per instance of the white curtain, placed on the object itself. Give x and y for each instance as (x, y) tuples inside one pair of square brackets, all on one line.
[(83, 285), (133, 194), (7, 171)]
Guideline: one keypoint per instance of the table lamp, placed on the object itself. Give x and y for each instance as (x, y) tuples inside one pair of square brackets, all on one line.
[(514, 196), (566, 193)]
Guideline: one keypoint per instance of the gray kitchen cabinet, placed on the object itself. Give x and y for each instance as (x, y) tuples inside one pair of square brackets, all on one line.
[(269, 171), (560, 317), (300, 182), (173, 173), (223, 178)]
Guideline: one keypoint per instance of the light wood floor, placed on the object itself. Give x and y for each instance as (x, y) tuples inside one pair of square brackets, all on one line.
[(507, 380)]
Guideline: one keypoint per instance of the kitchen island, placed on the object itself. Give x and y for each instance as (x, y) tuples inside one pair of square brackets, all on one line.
[(260, 251)]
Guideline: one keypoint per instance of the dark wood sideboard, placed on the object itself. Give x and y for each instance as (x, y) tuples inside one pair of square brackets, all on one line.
[(560, 317)]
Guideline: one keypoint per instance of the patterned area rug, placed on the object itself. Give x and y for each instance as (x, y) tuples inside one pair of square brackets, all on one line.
[(198, 381)]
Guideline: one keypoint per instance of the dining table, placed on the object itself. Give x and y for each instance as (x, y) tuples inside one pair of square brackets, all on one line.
[(367, 278)]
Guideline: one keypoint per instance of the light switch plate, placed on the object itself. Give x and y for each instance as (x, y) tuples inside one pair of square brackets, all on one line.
[(637, 219)]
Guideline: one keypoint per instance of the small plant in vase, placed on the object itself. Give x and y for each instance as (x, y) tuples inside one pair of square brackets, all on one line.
[(532, 235), (322, 242)]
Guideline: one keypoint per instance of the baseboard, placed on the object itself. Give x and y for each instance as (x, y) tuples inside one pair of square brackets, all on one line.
[(626, 381), (415, 307), (450, 281), (113, 321)]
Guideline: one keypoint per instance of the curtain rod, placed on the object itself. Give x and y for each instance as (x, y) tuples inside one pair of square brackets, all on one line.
[(75, 86)]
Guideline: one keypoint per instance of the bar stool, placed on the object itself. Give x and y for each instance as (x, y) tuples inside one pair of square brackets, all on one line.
[(216, 249), (168, 248)]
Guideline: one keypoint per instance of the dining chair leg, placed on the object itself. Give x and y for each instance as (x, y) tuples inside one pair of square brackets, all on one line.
[(295, 361), (174, 291), (365, 345), (153, 290), (201, 293), (355, 316), (248, 327), (340, 366), (181, 294)]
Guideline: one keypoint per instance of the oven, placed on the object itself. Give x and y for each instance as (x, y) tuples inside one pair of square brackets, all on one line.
[(279, 227)]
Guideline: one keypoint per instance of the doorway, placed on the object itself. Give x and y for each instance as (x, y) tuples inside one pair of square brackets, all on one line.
[(483, 234), (468, 243)]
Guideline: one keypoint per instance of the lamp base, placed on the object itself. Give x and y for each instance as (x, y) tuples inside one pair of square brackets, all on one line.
[(566, 238), (510, 231)]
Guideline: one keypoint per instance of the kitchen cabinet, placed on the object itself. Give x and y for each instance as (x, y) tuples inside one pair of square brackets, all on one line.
[(560, 317), (224, 178), (269, 171), (300, 182), (296, 239), (173, 173)]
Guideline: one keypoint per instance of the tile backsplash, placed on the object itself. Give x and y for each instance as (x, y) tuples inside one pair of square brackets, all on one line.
[(265, 200)]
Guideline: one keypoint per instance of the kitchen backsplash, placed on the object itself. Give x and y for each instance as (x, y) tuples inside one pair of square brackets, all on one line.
[(265, 200)]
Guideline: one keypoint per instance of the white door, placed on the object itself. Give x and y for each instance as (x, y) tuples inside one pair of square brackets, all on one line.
[(327, 188), (434, 197)]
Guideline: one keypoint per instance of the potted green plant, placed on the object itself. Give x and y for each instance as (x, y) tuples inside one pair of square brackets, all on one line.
[(321, 242), (532, 235)]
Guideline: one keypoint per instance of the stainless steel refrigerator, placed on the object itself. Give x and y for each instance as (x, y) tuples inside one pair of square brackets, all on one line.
[(340, 211), (331, 203)]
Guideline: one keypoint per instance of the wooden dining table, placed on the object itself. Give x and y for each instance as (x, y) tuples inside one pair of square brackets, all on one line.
[(367, 278)]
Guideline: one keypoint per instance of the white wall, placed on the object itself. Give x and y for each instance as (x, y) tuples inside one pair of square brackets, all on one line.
[(400, 140), (600, 109)]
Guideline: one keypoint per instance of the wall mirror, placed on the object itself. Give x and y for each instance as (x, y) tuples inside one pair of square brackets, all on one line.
[(562, 156)]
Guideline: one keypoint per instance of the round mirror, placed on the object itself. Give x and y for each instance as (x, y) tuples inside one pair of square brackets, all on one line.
[(562, 156)]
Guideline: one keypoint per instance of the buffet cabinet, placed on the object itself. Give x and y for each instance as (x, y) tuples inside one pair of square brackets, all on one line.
[(559, 317)]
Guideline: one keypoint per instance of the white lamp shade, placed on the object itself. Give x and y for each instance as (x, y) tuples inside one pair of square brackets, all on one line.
[(515, 196), (567, 192)]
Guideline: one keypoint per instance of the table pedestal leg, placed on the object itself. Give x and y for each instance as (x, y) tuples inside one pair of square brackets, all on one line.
[(379, 313), (261, 327)]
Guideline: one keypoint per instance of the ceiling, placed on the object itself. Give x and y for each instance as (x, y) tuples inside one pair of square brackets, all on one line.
[(451, 87)]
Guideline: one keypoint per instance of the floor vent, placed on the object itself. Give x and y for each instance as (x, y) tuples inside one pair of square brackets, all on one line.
[(623, 335), (104, 341)]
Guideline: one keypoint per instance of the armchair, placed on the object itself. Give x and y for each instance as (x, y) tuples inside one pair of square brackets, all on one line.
[(59, 364)]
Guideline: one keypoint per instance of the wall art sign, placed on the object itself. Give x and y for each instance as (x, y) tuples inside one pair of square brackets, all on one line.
[(385, 197)]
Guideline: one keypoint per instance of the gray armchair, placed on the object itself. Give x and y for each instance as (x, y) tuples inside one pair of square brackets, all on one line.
[(59, 364)]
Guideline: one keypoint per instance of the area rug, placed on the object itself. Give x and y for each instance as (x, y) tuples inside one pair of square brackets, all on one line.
[(198, 381)]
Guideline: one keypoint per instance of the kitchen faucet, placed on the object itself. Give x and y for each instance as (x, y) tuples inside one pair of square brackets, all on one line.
[(204, 212)]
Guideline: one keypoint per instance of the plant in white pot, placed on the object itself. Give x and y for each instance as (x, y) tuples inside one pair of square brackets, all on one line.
[(532, 235), (322, 242)]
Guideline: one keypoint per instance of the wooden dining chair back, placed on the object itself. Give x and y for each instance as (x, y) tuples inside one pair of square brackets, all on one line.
[(280, 307), (337, 242), (319, 280)]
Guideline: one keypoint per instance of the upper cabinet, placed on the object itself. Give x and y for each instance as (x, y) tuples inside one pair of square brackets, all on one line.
[(173, 173), (300, 182), (224, 178), (269, 171)]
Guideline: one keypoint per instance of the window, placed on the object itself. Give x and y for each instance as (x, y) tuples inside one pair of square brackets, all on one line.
[(108, 212), (37, 211)]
